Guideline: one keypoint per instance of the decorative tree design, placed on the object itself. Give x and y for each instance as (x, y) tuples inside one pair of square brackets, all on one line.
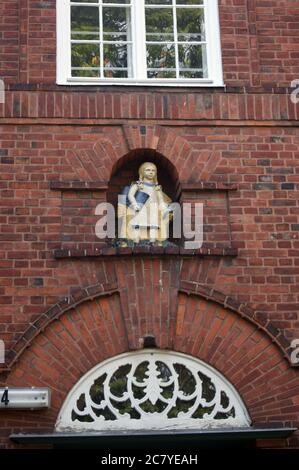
[(152, 390)]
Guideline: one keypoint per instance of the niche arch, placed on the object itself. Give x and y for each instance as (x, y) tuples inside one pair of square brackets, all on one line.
[(125, 171)]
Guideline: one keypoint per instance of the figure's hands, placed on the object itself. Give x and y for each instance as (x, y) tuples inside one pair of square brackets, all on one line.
[(167, 210), (163, 207), (136, 207)]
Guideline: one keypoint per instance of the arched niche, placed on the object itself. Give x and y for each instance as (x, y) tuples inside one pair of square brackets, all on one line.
[(152, 389), (126, 170)]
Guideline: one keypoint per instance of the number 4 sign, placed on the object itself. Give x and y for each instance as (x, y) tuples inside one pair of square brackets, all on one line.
[(4, 398), (24, 398)]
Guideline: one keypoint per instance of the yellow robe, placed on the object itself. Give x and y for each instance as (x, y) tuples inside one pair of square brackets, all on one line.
[(151, 222)]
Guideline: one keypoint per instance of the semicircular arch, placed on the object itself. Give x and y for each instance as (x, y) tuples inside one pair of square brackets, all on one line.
[(152, 389)]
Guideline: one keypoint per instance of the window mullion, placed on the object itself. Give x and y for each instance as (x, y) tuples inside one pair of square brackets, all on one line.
[(68, 24), (138, 20), (101, 39), (175, 33), (213, 44), (64, 47)]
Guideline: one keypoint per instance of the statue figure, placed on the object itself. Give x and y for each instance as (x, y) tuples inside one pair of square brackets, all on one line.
[(143, 209)]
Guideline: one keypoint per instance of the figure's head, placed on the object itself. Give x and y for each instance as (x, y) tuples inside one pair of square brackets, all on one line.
[(148, 171)]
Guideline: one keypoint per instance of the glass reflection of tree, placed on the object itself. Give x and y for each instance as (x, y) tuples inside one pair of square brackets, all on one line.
[(159, 29), (115, 29), (161, 41), (85, 25)]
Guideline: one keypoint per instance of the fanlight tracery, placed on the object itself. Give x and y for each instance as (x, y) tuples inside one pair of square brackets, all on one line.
[(152, 389)]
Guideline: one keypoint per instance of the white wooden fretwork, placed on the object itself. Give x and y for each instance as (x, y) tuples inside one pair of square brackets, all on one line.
[(152, 389)]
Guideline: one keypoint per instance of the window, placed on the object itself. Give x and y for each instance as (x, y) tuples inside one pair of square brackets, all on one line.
[(138, 42), (152, 389)]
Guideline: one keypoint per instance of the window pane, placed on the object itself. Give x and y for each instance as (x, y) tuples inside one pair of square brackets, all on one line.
[(191, 74), (190, 24), (117, 56), (158, 2), (117, 1), (161, 73), (172, 41), (86, 73), (192, 61), (85, 22), (115, 73), (160, 56), (159, 24), (189, 2), (85, 55), (116, 24)]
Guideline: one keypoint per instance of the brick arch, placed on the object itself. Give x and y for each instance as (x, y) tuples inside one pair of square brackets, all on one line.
[(165, 141), (243, 354), (98, 328), (98, 156), (66, 304), (138, 279), (194, 163), (77, 340), (276, 336)]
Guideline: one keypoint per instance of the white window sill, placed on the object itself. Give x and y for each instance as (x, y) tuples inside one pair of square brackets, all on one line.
[(131, 82)]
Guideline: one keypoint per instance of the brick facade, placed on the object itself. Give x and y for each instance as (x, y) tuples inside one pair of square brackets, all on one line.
[(64, 307)]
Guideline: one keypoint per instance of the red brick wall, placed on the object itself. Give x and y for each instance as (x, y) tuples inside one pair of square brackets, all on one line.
[(244, 135), (69, 347), (263, 212), (9, 41), (277, 31), (259, 41), (263, 161), (174, 105)]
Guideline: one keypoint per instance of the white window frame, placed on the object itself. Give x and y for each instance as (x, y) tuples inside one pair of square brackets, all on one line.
[(214, 60)]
